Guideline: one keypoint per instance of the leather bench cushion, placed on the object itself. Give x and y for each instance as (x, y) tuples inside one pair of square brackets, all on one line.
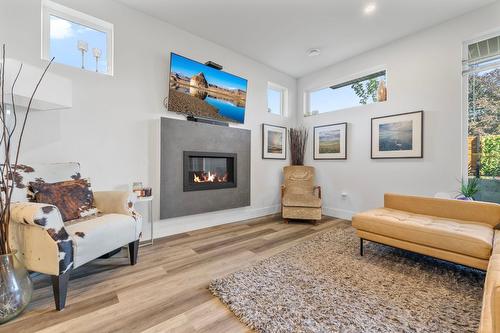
[(301, 200), (490, 314), (464, 210), (469, 238)]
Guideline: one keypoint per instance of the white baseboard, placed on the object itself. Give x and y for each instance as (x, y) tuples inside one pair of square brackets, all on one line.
[(338, 213), (182, 224)]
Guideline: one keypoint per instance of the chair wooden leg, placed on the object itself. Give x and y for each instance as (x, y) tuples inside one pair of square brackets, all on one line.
[(60, 288), (133, 248)]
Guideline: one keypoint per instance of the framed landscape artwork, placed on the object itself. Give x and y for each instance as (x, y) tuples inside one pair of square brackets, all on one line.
[(330, 142), (398, 136), (273, 142)]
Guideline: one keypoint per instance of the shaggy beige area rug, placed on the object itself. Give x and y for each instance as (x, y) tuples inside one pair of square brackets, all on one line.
[(323, 285)]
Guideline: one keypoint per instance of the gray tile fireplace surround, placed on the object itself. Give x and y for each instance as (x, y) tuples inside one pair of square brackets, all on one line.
[(179, 136)]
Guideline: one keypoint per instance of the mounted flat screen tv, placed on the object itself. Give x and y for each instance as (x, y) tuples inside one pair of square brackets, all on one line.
[(198, 90)]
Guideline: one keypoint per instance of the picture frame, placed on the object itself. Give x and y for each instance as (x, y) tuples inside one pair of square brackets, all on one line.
[(398, 136), (274, 142), (330, 142)]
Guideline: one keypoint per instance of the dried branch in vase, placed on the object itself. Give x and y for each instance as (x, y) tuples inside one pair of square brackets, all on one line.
[(298, 140), (9, 154)]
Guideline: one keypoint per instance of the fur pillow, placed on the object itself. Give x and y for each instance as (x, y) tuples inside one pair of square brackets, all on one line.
[(73, 198)]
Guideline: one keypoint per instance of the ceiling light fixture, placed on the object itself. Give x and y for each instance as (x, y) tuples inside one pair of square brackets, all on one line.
[(370, 8), (313, 52)]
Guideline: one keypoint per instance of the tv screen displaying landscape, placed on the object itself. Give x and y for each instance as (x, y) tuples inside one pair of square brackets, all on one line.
[(201, 91)]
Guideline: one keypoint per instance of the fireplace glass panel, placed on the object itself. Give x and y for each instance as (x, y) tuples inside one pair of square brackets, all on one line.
[(209, 170), (205, 171)]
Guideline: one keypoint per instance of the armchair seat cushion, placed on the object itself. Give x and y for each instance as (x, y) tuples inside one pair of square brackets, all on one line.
[(92, 237), (301, 200), (465, 237)]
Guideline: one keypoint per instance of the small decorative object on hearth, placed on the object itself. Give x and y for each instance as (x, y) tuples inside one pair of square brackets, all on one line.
[(137, 188), (468, 189), (140, 190), (16, 287), (298, 140)]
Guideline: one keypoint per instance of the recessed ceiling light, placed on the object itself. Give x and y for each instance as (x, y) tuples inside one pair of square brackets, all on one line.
[(313, 52), (370, 8)]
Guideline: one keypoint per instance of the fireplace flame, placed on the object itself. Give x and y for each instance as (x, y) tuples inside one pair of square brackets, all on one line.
[(209, 177)]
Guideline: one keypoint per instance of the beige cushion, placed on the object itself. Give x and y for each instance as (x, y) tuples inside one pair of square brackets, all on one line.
[(301, 200), (95, 237), (469, 238), (48, 173), (298, 179), (302, 213), (490, 315)]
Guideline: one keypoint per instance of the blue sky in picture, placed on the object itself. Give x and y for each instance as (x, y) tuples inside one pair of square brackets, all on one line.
[(64, 37), (274, 101), (189, 68), (328, 99)]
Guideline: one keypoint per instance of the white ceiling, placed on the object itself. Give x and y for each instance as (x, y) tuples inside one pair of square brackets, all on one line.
[(279, 32)]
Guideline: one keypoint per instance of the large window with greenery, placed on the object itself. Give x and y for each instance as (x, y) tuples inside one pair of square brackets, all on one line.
[(482, 72), (360, 91)]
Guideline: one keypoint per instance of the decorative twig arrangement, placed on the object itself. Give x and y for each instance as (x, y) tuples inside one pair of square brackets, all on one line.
[(10, 154), (298, 139)]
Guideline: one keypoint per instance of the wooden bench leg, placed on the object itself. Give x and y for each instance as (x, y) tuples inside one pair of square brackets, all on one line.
[(133, 248), (361, 250), (60, 288)]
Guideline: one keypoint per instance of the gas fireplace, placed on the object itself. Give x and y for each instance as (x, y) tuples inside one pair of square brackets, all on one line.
[(208, 171)]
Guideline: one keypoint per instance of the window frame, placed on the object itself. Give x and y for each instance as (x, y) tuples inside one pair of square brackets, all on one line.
[(50, 8), (284, 98), (464, 167), (338, 83)]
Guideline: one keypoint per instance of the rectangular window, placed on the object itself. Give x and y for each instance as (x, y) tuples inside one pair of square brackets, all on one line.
[(482, 77), (364, 90), (276, 99), (76, 39)]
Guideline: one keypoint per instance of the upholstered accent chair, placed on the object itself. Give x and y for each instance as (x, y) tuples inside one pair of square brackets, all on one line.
[(48, 245), (300, 197)]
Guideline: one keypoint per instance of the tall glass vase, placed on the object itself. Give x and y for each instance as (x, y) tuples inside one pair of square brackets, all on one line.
[(16, 287)]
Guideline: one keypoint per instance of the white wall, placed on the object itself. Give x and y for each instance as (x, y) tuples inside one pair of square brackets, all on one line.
[(113, 127), (423, 73)]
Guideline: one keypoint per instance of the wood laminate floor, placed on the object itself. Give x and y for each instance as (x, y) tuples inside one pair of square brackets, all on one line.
[(167, 290)]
